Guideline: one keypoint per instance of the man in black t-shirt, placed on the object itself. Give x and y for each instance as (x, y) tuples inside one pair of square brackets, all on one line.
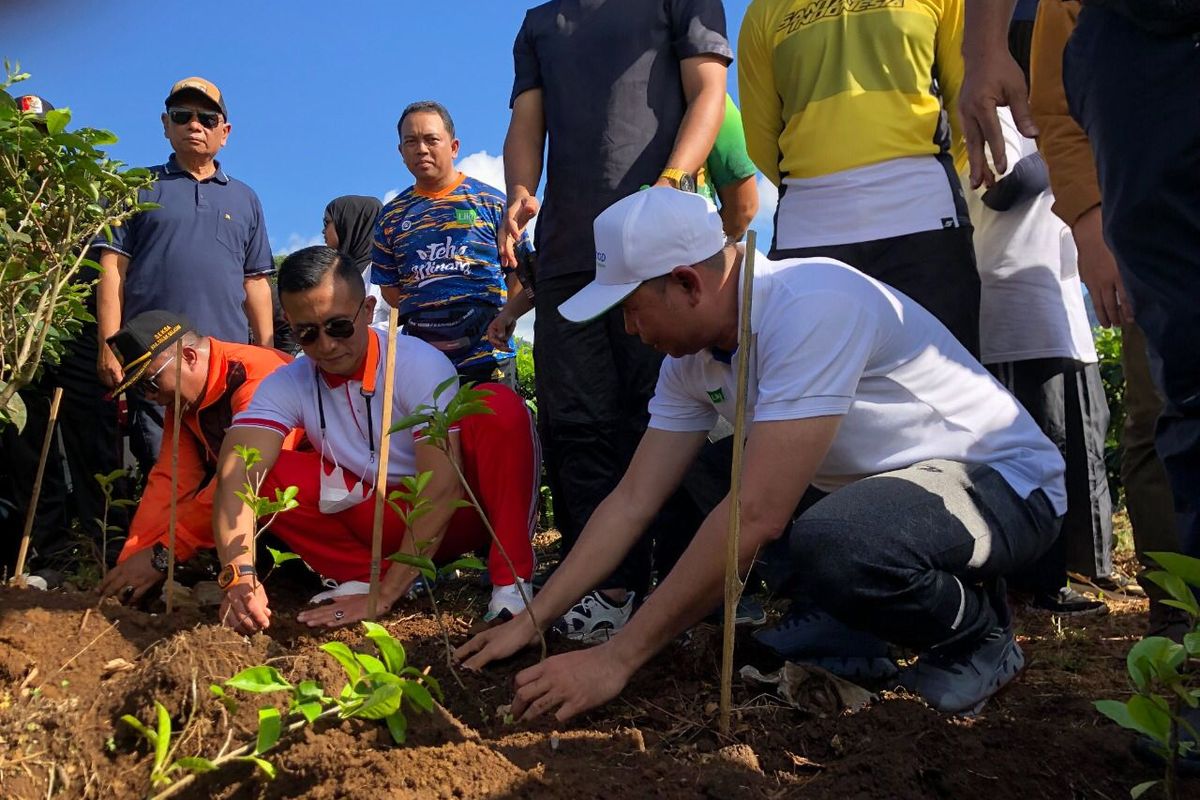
[(626, 94)]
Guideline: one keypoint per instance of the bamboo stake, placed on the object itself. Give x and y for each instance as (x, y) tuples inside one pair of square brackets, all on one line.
[(381, 474), (733, 581), (170, 588), (31, 513)]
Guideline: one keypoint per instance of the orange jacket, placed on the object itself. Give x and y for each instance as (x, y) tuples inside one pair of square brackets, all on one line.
[(1063, 143), (234, 372)]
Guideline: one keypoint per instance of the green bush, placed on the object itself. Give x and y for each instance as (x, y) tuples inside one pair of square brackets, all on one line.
[(1108, 348)]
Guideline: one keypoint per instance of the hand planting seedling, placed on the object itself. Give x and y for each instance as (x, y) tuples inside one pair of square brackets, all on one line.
[(1165, 678)]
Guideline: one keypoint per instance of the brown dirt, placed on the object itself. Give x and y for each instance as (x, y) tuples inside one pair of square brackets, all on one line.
[(60, 735)]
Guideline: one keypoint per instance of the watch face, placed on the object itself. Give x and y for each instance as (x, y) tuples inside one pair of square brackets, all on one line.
[(687, 183), (225, 576)]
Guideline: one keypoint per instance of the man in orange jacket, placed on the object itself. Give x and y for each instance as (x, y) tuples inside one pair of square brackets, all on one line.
[(216, 382)]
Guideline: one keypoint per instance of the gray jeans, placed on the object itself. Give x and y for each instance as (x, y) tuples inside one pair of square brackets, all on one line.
[(917, 555)]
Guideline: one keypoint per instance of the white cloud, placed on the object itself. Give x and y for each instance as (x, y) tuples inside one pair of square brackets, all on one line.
[(297, 241), (525, 326), (390, 195), (764, 220), (484, 167)]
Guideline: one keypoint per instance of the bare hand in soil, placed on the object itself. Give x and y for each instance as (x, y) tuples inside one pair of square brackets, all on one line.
[(496, 643), (353, 608), (245, 608), (572, 683), (132, 578)]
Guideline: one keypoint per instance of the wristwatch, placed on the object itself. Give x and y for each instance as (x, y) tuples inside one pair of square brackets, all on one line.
[(230, 576), (158, 557), (683, 181)]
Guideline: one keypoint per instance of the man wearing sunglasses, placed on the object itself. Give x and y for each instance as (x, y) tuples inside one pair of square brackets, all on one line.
[(334, 395), (203, 252), (216, 382)]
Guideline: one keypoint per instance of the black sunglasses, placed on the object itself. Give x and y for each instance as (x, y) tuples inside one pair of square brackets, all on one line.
[(149, 384), (336, 328), (182, 116)]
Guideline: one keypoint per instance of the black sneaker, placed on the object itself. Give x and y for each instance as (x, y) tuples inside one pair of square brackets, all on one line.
[(1069, 603)]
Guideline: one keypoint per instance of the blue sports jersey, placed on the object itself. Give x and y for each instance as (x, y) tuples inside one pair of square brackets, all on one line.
[(440, 250)]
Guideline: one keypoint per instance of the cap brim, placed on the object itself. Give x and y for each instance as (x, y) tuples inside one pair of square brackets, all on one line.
[(133, 377), (594, 299)]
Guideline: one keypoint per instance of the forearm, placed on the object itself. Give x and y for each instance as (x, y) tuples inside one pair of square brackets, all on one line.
[(110, 291), (985, 31), (258, 310), (233, 521), (705, 87), (739, 204), (523, 145)]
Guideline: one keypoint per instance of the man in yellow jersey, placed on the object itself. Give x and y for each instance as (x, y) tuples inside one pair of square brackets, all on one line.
[(845, 105)]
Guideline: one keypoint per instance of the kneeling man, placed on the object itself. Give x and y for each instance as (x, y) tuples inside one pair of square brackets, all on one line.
[(334, 394), (216, 381), (936, 481)]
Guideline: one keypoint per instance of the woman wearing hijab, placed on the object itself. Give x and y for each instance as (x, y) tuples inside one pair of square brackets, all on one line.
[(349, 225)]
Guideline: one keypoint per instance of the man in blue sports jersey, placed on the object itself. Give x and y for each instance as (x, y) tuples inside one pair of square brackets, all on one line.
[(435, 256)]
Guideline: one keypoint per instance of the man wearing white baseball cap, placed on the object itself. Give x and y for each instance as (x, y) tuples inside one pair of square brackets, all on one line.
[(930, 481)]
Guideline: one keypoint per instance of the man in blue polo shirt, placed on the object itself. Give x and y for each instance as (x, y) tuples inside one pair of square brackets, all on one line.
[(202, 253)]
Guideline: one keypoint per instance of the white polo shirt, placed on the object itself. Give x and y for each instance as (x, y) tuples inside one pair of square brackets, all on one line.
[(287, 399), (832, 341)]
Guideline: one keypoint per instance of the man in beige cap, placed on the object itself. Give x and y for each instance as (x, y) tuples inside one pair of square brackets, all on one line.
[(203, 252)]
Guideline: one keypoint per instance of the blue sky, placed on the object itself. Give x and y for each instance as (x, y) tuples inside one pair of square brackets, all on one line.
[(314, 89)]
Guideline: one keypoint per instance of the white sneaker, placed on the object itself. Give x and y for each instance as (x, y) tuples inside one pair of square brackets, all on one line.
[(595, 618), (508, 598)]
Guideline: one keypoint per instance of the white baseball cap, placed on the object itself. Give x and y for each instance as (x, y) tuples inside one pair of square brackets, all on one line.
[(640, 237)]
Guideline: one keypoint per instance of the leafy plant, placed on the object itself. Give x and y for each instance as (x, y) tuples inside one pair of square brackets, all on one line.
[(1164, 682), (278, 557), (58, 192), (1112, 375), (163, 766), (438, 424), (108, 486), (285, 499)]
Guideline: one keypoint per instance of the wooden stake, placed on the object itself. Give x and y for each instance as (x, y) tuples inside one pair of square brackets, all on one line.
[(733, 581), (170, 589), (389, 381), (31, 514)]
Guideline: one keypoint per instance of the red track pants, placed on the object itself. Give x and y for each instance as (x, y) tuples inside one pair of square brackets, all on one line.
[(502, 463)]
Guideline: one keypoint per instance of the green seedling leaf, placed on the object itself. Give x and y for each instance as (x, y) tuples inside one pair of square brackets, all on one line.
[(280, 557), (1185, 567), (135, 723), (345, 657), (397, 726), (422, 564), (444, 385), (310, 690), (382, 702), (1153, 657), (370, 664), (123, 503), (391, 650), (1151, 717), (1191, 641), (1178, 589), (428, 680), (466, 563), (310, 710), (1141, 789), (407, 422), (264, 766), (194, 764), (461, 504), (270, 727), (162, 743), (418, 695), (230, 704), (259, 680)]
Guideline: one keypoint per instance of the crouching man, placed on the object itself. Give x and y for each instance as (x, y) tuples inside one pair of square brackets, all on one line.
[(216, 382), (334, 394), (936, 480)]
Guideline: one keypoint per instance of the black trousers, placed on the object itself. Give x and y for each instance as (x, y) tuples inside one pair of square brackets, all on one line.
[(935, 268), (1137, 96), (594, 382)]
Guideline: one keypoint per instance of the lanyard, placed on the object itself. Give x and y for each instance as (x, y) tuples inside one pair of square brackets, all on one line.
[(370, 423)]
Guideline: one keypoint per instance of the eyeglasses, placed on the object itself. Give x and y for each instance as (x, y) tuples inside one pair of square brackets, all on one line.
[(149, 384), (336, 328), (182, 116)]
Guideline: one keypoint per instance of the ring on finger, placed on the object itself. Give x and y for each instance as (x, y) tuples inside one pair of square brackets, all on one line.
[(339, 614)]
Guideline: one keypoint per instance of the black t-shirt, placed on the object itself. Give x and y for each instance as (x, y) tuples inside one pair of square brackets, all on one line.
[(613, 100)]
